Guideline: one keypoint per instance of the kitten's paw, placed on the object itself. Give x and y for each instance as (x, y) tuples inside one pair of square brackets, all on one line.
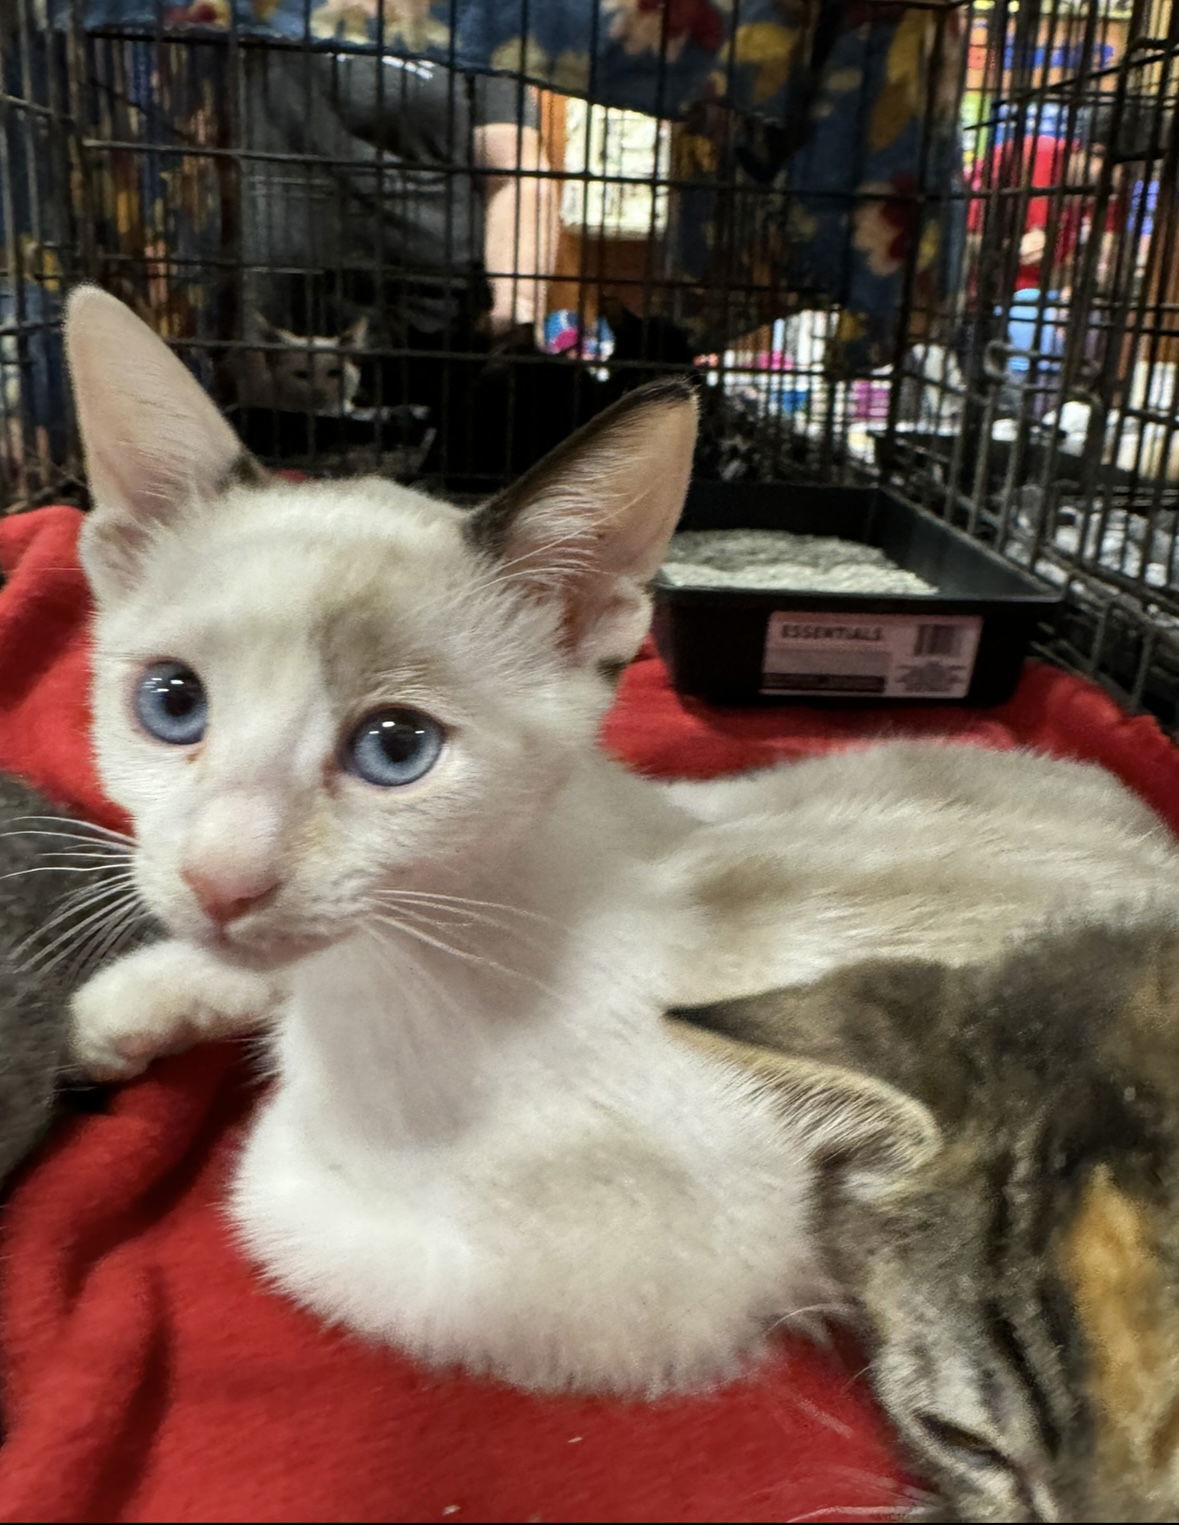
[(119, 1025), (160, 1000)]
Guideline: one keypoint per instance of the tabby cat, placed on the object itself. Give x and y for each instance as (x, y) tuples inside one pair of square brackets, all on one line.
[(1014, 1255)]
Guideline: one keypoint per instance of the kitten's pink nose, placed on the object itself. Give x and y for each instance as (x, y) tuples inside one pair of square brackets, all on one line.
[(224, 902)]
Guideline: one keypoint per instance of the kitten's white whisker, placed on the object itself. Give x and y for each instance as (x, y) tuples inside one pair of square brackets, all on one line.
[(846, 1512), (108, 873), (409, 963), (477, 960), (897, 1492), (92, 903), (460, 916), (798, 1313), (68, 820), (77, 900), (97, 843), (123, 927), (69, 836), (467, 900), (58, 868), (401, 924), (124, 916), (86, 855), (419, 915), (108, 902), (528, 938), (463, 903)]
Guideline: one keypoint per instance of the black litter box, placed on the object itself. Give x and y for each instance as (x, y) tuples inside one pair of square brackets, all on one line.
[(964, 644)]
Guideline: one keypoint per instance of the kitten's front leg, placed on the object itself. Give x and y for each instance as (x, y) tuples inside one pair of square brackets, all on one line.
[(161, 1000)]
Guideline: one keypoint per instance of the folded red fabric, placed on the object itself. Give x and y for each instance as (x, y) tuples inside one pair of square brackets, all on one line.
[(149, 1375)]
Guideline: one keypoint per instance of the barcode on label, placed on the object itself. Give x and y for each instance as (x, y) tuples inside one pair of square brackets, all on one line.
[(938, 640), (833, 653)]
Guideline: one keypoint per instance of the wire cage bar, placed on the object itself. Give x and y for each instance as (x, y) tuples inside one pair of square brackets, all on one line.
[(1061, 449), (929, 245)]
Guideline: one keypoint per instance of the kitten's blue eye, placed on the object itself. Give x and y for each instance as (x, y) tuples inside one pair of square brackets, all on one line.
[(171, 704), (394, 746)]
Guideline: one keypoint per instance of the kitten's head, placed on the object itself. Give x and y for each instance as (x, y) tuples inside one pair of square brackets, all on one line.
[(1020, 1284), (310, 695), (314, 374)]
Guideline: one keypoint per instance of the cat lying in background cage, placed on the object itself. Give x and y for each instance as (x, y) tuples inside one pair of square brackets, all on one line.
[(294, 373), (1012, 1250), (298, 399)]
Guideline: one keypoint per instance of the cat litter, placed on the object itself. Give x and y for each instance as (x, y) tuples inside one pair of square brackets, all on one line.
[(769, 559), (865, 597)]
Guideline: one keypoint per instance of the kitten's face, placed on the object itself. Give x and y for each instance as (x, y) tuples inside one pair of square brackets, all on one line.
[(319, 700), (316, 374), (315, 378), (298, 618), (1028, 1358)]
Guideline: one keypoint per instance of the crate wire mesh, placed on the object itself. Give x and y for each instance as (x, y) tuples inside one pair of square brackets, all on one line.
[(36, 197), (178, 166), (1061, 449), (1018, 381)]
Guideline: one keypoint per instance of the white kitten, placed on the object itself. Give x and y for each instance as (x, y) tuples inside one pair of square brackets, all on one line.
[(359, 749)]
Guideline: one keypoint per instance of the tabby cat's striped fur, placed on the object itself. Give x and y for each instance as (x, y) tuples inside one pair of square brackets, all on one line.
[(1015, 1258)]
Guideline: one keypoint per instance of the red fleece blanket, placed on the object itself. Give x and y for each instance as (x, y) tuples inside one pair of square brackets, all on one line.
[(149, 1375)]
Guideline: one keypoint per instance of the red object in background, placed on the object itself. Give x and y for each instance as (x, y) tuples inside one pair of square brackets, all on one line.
[(147, 1373), (1041, 164)]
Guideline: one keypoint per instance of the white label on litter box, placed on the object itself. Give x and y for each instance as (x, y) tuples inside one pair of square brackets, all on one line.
[(882, 656)]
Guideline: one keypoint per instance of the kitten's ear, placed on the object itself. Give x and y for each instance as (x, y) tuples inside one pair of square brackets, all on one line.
[(355, 336), (153, 438), (263, 329), (858, 1129), (588, 526), (862, 1131)]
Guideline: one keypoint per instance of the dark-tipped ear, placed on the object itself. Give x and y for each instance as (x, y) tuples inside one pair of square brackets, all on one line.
[(589, 525), (263, 330), (154, 440), (355, 336), (855, 1127)]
